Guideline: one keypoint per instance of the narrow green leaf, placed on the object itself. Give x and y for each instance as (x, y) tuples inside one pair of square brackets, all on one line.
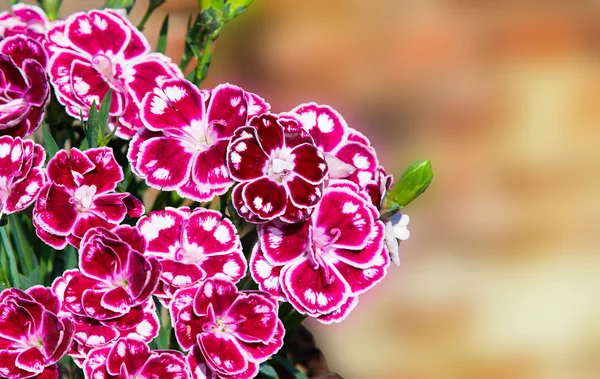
[(70, 257), (268, 371), (415, 180), (92, 126), (12, 260), (4, 269), (105, 140), (289, 366), (49, 142), (103, 114), (161, 45), (22, 244), (51, 8), (83, 145)]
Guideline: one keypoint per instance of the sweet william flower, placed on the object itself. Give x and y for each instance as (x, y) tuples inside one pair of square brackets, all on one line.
[(321, 265), (130, 358), (192, 246), (21, 174), (80, 195), (99, 50), (24, 88), (184, 142), (227, 332), (396, 231), (23, 19), (280, 170), (32, 337), (114, 276)]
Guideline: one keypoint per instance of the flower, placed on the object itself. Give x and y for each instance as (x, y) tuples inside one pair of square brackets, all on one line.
[(187, 132), (114, 275), (280, 169), (80, 195), (132, 358), (21, 174), (396, 230), (141, 323), (192, 246), (321, 265), (32, 337), (24, 19), (229, 331), (349, 153), (99, 50), (24, 88)]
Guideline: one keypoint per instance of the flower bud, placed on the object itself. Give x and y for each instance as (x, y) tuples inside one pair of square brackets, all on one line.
[(411, 185)]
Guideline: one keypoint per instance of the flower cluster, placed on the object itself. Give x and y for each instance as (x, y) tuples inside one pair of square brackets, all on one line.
[(291, 203)]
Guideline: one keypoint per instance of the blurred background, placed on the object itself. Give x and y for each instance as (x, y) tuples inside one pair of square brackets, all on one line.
[(501, 275)]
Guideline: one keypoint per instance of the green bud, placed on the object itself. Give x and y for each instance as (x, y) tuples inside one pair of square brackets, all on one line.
[(51, 8), (118, 4), (411, 185)]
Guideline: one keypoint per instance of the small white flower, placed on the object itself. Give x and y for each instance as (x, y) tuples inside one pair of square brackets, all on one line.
[(396, 230)]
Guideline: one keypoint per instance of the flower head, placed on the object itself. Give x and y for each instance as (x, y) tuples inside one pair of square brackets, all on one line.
[(101, 50), (187, 131), (280, 169), (80, 195), (24, 19), (21, 174), (24, 88), (227, 330), (32, 337), (322, 264), (192, 246)]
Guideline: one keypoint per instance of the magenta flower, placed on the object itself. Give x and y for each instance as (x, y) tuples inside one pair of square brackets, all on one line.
[(187, 132), (114, 275), (192, 246), (95, 51), (32, 337), (24, 19), (229, 331), (140, 322), (349, 153), (21, 174), (280, 169), (322, 264), (24, 88), (130, 358), (80, 195)]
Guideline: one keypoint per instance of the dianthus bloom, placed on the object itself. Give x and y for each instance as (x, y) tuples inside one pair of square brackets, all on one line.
[(192, 246), (130, 358), (99, 50), (187, 132), (80, 195), (24, 19), (24, 88), (32, 337), (21, 174), (280, 169), (321, 265), (229, 332)]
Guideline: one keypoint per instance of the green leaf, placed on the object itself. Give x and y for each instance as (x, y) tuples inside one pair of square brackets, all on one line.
[(268, 371), (98, 120), (235, 7), (411, 185), (161, 45), (83, 145), (49, 142), (289, 366), (12, 260), (51, 8), (70, 257), (122, 186), (105, 140), (118, 4), (22, 244)]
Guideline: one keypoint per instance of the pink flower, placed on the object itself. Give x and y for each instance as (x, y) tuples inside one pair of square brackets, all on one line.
[(227, 330), (187, 132), (280, 169), (95, 51), (114, 275), (349, 153), (80, 196), (32, 337), (24, 88), (192, 246), (21, 174), (130, 358), (321, 265), (24, 19), (141, 323)]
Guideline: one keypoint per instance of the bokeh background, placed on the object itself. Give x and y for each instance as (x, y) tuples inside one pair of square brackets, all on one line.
[(501, 276)]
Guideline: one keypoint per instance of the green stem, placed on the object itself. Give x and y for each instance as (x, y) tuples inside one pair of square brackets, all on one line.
[(12, 262), (147, 15)]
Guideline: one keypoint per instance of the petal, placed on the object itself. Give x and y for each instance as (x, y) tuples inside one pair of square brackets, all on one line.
[(57, 242), (116, 300), (106, 174), (30, 360), (218, 293), (176, 104), (341, 313), (191, 190), (131, 236), (363, 279), (93, 305), (164, 163), (200, 370), (319, 290), (364, 258), (363, 158), (135, 208), (98, 32), (179, 274), (302, 193), (24, 193), (294, 214), (143, 275), (325, 125), (210, 168), (208, 233), (245, 159), (269, 133), (222, 353), (259, 316), (256, 104), (230, 266), (282, 243), (265, 274), (162, 229), (265, 198), (54, 210), (89, 87), (309, 163), (165, 365), (127, 352), (260, 352), (227, 110), (109, 207), (20, 47), (59, 171), (149, 73), (240, 206), (44, 296), (94, 334)]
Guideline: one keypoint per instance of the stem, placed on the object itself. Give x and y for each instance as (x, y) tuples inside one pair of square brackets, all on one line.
[(147, 15), (12, 262)]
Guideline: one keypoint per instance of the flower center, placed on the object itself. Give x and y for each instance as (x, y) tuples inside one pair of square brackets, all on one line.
[(8, 105), (322, 241), (109, 70), (223, 325), (83, 197), (280, 165)]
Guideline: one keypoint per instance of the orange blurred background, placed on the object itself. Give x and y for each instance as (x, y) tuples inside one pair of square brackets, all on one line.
[(501, 275)]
